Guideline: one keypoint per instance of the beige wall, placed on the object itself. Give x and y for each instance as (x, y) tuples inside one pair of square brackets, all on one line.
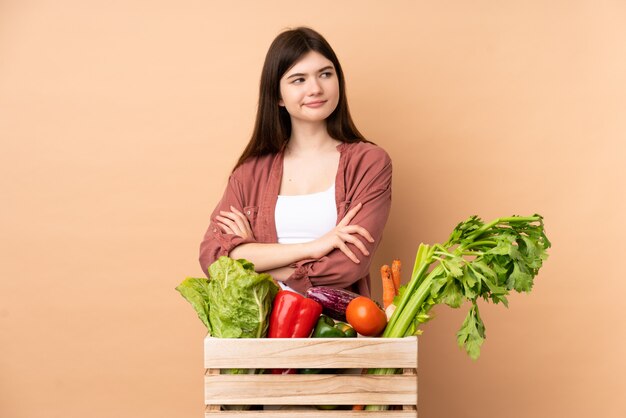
[(120, 120)]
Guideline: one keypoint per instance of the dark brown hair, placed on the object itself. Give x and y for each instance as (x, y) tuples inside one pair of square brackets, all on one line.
[(273, 124)]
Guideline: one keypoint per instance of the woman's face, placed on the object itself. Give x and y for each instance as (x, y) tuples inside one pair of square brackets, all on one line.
[(310, 89)]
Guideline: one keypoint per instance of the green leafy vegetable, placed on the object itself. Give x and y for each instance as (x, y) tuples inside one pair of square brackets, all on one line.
[(236, 302), (477, 261), (240, 299), (195, 290)]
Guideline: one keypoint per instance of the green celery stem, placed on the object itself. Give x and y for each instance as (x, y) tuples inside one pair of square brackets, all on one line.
[(405, 299), (407, 314)]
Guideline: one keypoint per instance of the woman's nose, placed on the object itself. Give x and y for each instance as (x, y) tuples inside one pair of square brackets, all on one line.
[(315, 87)]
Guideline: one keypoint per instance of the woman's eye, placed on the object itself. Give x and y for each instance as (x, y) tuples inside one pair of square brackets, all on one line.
[(327, 74), (298, 81)]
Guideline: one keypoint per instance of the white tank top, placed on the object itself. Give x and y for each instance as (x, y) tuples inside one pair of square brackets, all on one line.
[(303, 218)]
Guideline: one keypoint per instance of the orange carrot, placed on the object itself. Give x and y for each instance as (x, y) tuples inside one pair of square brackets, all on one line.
[(389, 290), (396, 268)]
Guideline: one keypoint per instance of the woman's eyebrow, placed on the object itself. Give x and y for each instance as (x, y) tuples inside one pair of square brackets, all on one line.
[(328, 67)]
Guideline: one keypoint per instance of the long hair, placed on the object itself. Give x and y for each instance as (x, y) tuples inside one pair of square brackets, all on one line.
[(273, 124)]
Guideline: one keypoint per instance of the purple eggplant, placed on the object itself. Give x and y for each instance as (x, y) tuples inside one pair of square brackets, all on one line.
[(334, 301)]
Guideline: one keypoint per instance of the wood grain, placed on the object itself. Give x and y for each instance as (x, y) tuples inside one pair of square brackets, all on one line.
[(320, 353), (310, 389)]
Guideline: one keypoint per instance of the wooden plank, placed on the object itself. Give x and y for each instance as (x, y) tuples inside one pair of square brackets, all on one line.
[(307, 389), (212, 372), (267, 353), (411, 372), (311, 414)]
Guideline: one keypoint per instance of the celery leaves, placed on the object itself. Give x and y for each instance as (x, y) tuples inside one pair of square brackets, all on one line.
[(479, 260)]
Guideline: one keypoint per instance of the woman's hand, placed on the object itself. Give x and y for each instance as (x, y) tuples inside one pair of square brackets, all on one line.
[(340, 235), (235, 222)]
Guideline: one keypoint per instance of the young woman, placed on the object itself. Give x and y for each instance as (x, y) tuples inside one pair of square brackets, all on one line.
[(309, 197)]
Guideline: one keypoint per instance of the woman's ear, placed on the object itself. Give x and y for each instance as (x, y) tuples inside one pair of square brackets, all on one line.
[(281, 103)]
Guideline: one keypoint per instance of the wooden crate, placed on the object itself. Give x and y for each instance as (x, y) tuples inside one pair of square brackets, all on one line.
[(310, 389)]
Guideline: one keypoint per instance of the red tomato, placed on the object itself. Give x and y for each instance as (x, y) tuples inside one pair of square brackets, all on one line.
[(365, 316)]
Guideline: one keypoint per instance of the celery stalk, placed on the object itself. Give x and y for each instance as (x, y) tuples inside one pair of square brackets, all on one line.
[(479, 260)]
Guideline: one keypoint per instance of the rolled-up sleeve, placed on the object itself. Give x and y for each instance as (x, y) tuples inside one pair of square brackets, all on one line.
[(216, 242), (336, 269)]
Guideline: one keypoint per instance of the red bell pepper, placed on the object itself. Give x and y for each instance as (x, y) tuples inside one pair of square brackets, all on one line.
[(293, 315)]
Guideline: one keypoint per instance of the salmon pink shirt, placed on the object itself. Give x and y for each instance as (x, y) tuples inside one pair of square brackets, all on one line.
[(363, 176)]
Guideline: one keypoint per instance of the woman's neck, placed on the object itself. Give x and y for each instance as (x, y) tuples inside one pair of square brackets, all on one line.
[(310, 139)]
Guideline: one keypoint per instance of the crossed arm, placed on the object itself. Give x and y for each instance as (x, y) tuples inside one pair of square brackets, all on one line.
[(276, 258)]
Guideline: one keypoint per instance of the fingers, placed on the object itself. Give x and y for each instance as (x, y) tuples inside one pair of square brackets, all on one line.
[(346, 219), (236, 218), (243, 220), (356, 242), (347, 233), (356, 229), (224, 228), (230, 224), (236, 221), (344, 248)]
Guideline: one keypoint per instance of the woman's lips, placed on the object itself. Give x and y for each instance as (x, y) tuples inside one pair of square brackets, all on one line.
[(316, 103)]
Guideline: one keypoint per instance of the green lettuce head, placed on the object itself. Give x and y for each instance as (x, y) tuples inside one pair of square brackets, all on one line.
[(239, 298)]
